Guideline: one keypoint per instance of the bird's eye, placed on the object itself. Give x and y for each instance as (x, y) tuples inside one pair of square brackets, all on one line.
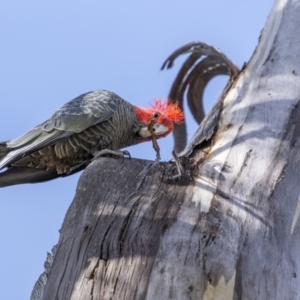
[(155, 115)]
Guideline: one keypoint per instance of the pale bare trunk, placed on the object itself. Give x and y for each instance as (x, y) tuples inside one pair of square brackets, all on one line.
[(232, 233)]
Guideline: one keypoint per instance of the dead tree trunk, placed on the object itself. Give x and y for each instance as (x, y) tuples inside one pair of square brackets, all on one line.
[(232, 233)]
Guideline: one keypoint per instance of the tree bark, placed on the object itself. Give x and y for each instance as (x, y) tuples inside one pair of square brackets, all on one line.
[(232, 232)]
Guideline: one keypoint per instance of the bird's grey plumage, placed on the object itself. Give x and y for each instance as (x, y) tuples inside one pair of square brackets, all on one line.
[(69, 139)]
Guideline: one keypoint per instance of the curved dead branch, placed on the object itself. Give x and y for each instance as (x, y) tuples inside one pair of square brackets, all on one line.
[(193, 77)]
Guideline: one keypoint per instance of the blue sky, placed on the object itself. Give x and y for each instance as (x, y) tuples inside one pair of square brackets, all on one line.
[(53, 51)]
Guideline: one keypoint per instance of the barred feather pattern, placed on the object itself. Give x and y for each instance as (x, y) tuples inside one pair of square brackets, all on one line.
[(119, 131)]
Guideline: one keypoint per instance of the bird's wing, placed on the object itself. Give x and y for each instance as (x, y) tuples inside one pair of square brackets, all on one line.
[(75, 116), (82, 112)]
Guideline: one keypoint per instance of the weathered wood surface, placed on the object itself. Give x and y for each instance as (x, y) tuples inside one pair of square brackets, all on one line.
[(111, 237), (233, 233)]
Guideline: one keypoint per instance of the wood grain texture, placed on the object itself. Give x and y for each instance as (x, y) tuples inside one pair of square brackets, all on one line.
[(113, 230), (233, 232)]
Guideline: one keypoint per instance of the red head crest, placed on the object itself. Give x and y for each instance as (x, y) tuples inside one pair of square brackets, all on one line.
[(161, 112), (169, 109)]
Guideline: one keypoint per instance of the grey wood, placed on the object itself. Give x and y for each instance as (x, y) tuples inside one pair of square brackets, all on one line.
[(233, 232)]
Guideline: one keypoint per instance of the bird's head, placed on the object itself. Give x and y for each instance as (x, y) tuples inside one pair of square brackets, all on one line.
[(161, 116)]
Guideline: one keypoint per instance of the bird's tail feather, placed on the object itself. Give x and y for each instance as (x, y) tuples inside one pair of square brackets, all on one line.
[(37, 142), (3, 150), (17, 175)]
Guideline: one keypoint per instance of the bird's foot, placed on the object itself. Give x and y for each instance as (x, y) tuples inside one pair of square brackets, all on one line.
[(157, 157), (183, 173), (179, 166), (117, 153)]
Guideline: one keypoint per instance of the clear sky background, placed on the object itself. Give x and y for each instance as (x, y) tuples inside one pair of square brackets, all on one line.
[(53, 51)]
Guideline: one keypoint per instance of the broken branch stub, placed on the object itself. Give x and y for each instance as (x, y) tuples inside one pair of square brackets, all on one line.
[(193, 77)]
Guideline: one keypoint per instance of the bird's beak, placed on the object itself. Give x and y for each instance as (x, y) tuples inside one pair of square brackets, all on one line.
[(158, 129)]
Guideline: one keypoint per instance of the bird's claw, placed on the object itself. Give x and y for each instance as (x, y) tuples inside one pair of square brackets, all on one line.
[(117, 153), (126, 153), (157, 157), (182, 174)]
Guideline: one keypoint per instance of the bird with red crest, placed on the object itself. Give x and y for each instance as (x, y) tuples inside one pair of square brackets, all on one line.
[(92, 125)]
